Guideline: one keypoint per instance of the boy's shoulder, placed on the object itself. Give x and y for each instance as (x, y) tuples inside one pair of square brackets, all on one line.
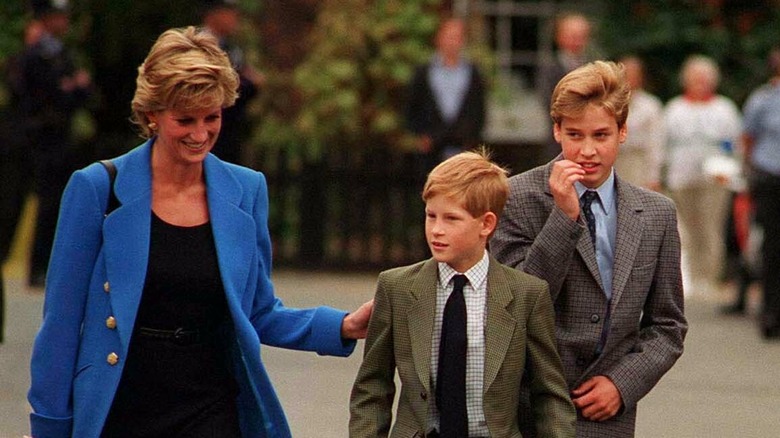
[(537, 174), (409, 272), (515, 277), (646, 199)]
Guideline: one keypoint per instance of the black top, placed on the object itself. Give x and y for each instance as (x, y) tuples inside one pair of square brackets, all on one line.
[(170, 388)]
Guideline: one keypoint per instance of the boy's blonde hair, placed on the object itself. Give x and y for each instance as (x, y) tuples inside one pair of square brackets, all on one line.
[(600, 83), (185, 69), (472, 179)]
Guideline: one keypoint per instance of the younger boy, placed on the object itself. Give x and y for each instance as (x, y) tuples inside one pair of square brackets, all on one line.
[(461, 351), (609, 250)]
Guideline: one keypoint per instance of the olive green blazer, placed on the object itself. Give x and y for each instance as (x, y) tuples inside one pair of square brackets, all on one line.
[(519, 340)]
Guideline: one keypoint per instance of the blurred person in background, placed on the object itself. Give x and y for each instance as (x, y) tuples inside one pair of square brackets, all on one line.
[(700, 125), (15, 159), (222, 18), (761, 140), (641, 156), (445, 105), (572, 35), (52, 89)]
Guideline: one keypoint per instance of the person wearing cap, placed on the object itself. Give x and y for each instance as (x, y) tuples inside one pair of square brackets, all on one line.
[(222, 19), (52, 89)]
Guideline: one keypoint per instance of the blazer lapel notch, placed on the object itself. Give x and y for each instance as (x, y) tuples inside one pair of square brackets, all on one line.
[(630, 228), (420, 320)]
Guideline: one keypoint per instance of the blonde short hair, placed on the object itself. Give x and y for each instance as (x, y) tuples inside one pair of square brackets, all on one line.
[(185, 69), (471, 178), (601, 83)]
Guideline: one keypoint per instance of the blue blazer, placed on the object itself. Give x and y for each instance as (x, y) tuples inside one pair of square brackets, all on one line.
[(97, 271)]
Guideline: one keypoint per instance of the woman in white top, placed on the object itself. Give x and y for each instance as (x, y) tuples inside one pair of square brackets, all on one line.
[(700, 124)]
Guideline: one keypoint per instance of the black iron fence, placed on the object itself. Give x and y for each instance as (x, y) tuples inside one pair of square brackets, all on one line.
[(355, 209)]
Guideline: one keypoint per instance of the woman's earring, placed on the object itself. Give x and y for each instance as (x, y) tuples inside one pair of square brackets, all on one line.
[(152, 126)]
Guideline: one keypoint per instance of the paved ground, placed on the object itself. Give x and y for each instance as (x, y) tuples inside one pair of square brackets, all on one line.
[(727, 384)]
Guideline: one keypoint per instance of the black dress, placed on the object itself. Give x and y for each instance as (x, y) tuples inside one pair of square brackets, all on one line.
[(178, 386)]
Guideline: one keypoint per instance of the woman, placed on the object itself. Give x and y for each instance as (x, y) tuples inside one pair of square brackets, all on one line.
[(154, 315), (700, 124)]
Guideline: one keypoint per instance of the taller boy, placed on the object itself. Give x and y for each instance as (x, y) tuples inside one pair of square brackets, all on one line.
[(507, 336), (609, 250)]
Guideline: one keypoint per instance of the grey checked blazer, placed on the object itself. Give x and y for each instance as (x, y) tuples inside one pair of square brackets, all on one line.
[(519, 335), (648, 325)]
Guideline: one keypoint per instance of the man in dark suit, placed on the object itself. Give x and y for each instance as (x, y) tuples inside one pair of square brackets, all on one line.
[(572, 40), (445, 106), (613, 263), (53, 88), (222, 18)]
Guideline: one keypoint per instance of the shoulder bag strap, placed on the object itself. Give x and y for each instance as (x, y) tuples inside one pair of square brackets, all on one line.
[(113, 202)]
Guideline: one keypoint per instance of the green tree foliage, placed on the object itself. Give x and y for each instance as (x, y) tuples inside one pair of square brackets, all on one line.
[(350, 86), (737, 34), (12, 22)]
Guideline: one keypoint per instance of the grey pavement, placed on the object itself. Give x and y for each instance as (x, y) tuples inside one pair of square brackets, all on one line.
[(727, 384)]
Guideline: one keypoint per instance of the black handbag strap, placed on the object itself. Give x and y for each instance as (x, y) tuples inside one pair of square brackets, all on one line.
[(113, 202)]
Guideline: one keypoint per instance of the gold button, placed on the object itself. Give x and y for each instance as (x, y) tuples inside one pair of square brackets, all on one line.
[(111, 322), (106, 287), (112, 359)]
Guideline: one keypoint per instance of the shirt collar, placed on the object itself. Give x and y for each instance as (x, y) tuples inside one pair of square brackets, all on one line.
[(476, 275), (606, 192)]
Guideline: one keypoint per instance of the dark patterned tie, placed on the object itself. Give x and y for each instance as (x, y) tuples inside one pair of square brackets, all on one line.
[(451, 375), (586, 201)]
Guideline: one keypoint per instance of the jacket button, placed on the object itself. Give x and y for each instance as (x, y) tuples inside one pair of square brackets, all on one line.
[(106, 287), (112, 359), (111, 322), (424, 395), (595, 318)]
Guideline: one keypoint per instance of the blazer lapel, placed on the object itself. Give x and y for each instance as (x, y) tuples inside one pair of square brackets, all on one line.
[(588, 253), (126, 233), (235, 231), (628, 238), (126, 238), (585, 247), (500, 325), (420, 320)]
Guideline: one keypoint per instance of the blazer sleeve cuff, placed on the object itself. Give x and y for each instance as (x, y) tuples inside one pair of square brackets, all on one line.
[(327, 333), (50, 427)]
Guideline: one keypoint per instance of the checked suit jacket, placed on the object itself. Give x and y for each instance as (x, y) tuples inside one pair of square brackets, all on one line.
[(648, 326), (519, 334)]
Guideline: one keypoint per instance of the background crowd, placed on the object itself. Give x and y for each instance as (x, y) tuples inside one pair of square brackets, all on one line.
[(687, 134)]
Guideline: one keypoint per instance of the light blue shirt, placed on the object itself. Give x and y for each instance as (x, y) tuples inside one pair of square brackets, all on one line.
[(605, 211), (762, 122), (449, 85)]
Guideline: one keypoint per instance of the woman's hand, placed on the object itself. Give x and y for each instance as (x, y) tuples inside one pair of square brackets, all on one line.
[(355, 324)]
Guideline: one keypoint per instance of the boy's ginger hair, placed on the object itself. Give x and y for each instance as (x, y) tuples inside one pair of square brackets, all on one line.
[(470, 178), (600, 83)]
